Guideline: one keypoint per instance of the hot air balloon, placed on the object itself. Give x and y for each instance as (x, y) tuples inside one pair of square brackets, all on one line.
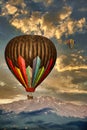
[(30, 58), (70, 43)]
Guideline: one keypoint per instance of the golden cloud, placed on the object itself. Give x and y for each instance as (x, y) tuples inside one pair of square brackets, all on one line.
[(28, 25), (70, 26), (50, 24), (70, 68), (74, 91), (11, 9), (61, 66), (64, 84), (12, 99), (37, 25), (66, 12)]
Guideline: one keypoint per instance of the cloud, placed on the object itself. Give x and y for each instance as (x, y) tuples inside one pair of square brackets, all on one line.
[(70, 26), (11, 9), (45, 2), (65, 12), (10, 100), (70, 68), (16, 2), (63, 64), (63, 83), (53, 22), (40, 26), (28, 25), (50, 24), (72, 62), (2, 83), (82, 9)]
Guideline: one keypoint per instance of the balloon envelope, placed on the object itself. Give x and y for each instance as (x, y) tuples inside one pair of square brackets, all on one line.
[(30, 58)]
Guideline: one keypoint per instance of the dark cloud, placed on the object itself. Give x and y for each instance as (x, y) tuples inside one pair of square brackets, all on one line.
[(80, 77), (73, 97), (9, 92)]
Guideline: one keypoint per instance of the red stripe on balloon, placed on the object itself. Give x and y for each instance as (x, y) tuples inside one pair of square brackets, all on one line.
[(13, 69), (22, 66)]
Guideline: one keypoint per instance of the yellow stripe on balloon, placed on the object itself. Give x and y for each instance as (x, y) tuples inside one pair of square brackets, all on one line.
[(19, 72)]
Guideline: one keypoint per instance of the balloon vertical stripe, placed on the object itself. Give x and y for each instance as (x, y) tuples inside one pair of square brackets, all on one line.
[(28, 75), (39, 75), (36, 66), (46, 72), (14, 71), (22, 66), (20, 75)]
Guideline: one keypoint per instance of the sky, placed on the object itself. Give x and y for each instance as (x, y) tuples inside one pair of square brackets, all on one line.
[(58, 20)]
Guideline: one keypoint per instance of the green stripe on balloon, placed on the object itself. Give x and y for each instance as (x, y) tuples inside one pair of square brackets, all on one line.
[(28, 72), (36, 66), (39, 75)]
